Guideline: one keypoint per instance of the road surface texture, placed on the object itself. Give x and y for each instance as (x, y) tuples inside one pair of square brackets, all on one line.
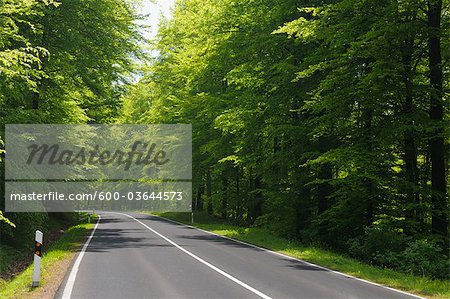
[(141, 256)]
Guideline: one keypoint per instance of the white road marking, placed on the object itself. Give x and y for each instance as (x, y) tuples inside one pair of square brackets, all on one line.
[(73, 273), (234, 279), (292, 258)]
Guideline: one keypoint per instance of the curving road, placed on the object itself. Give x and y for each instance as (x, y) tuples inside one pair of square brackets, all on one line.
[(141, 256)]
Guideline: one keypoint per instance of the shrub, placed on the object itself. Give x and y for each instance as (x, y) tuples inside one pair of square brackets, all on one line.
[(26, 225), (425, 257), (380, 245)]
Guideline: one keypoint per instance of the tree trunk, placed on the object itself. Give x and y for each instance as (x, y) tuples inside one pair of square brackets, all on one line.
[(224, 207), (208, 191), (199, 201), (48, 15), (256, 210), (324, 189), (238, 196), (439, 221), (367, 181), (410, 157)]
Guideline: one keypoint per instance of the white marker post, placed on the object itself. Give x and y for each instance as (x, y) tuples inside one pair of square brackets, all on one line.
[(37, 258)]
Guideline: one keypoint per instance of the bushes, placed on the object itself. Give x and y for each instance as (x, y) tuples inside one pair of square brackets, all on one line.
[(26, 225), (425, 257), (385, 246), (8, 257), (379, 245)]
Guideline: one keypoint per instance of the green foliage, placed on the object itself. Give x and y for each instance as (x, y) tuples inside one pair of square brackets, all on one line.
[(310, 119), (391, 249), (63, 249), (20, 58), (64, 61), (26, 224), (6, 220), (425, 257), (380, 245), (317, 120)]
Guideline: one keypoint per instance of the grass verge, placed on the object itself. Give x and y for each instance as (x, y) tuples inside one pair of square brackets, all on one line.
[(433, 289), (54, 265)]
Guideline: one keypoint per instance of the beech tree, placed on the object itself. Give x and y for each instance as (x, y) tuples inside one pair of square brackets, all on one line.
[(322, 121), (64, 61)]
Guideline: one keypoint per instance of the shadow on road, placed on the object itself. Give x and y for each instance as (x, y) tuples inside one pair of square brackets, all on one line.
[(219, 240)]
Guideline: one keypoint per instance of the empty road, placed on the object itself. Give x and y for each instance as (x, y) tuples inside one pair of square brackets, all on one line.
[(141, 256)]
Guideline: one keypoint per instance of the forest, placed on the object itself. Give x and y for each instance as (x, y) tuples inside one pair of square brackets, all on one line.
[(325, 122)]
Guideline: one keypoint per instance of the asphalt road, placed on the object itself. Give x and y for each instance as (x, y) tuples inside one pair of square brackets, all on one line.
[(148, 257)]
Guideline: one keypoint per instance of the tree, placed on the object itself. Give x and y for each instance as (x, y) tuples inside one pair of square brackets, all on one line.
[(317, 120), (63, 62), (437, 148)]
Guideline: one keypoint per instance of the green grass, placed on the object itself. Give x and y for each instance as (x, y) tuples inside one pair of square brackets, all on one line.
[(64, 248), (417, 285), (11, 256)]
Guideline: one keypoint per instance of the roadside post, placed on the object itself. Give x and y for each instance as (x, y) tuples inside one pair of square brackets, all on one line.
[(89, 217), (37, 258)]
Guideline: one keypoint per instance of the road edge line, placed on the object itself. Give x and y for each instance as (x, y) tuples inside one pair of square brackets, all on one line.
[(67, 293), (218, 270), (291, 257)]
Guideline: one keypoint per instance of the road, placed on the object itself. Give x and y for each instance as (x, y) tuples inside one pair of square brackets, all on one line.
[(141, 256)]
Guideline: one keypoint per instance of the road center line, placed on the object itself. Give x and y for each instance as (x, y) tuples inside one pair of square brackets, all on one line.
[(230, 277), (73, 273)]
